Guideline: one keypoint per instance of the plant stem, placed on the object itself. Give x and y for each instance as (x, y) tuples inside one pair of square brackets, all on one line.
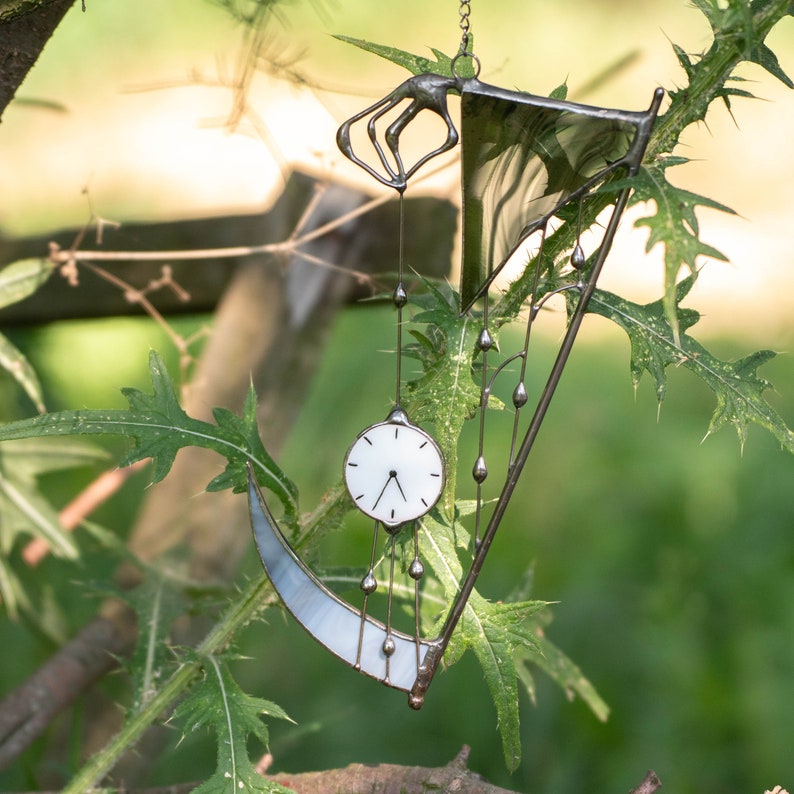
[(713, 70), (255, 598)]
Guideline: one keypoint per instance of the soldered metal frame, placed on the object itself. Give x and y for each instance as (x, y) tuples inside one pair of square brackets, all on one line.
[(350, 634)]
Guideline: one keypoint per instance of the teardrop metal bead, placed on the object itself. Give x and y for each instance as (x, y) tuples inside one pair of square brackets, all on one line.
[(416, 570), (485, 340), (480, 470), (388, 645), (369, 584), (400, 297), (578, 257), (520, 395)]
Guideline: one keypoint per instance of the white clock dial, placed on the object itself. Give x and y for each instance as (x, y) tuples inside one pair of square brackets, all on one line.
[(394, 472)]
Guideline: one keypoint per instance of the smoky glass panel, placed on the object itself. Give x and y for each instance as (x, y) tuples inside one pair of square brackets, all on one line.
[(521, 162)]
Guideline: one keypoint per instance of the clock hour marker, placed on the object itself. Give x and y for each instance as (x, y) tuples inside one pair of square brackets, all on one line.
[(367, 440), (352, 464), (435, 475), (423, 501), (423, 445)]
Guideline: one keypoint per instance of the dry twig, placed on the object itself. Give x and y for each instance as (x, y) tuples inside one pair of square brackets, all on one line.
[(649, 785)]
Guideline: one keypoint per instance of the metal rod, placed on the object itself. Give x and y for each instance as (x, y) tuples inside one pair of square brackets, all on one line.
[(436, 652)]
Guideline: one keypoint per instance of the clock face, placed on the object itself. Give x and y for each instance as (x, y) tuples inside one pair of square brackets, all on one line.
[(394, 472)]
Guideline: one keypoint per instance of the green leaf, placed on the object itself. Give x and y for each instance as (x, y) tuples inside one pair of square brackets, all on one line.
[(763, 56), (416, 64), (15, 363), (495, 632), (736, 20), (157, 603), (560, 92), (24, 510), (674, 225), (245, 429), (18, 281), (559, 667), (655, 345), (739, 30), (160, 427), (23, 278), (446, 394), (218, 703)]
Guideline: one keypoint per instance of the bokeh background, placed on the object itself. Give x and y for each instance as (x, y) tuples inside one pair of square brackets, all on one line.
[(671, 559)]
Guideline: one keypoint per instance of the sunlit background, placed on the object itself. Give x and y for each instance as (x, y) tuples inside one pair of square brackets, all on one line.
[(673, 561)]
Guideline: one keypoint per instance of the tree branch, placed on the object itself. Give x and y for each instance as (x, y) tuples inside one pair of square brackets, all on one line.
[(393, 779), (25, 27), (29, 709), (383, 779)]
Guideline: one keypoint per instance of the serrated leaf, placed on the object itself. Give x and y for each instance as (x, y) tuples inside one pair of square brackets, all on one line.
[(495, 632), (160, 428), (674, 225), (446, 394), (736, 385), (157, 603), (415, 64), (736, 21), (739, 30), (561, 669), (246, 430), (764, 57), (218, 703), (684, 61)]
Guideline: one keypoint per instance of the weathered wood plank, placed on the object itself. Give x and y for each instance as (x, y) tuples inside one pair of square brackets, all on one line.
[(431, 225)]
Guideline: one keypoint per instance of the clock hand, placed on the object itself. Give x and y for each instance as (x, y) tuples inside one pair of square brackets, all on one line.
[(405, 498), (392, 476)]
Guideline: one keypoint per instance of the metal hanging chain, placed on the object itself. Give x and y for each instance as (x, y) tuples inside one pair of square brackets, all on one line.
[(464, 12)]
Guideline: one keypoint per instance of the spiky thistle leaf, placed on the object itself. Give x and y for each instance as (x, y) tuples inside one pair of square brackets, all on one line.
[(737, 386), (415, 64), (217, 702), (673, 225), (497, 633), (445, 395), (160, 428)]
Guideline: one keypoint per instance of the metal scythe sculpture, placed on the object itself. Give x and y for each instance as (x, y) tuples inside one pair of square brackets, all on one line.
[(526, 161)]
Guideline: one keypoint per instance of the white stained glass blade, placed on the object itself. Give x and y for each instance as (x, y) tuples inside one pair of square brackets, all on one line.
[(330, 620)]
